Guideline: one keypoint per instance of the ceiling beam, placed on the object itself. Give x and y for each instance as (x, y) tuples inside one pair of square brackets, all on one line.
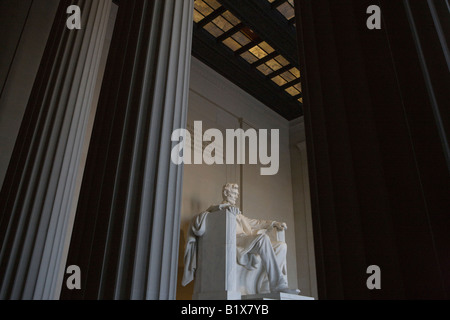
[(292, 21), (280, 71), (268, 23), (267, 58), (290, 84), (211, 17), (230, 32), (277, 3), (247, 47), (300, 95)]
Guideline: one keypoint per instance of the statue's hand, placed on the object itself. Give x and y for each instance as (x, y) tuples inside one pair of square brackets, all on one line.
[(234, 210), (280, 226)]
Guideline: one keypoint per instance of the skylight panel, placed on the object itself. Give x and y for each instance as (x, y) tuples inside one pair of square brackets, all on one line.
[(246, 44)]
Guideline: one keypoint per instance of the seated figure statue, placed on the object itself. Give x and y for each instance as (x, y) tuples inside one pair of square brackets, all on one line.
[(253, 244)]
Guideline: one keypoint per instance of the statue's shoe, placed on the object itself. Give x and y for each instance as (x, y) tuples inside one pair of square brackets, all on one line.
[(287, 290)]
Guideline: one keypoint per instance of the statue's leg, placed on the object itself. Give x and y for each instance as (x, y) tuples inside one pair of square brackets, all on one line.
[(269, 260), (280, 249)]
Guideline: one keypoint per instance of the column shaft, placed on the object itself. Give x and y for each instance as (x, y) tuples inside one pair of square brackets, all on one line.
[(126, 231), (37, 194), (377, 158)]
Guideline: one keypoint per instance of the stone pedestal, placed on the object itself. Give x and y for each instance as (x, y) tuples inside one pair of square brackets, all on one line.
[(276, 296), (216, 274)]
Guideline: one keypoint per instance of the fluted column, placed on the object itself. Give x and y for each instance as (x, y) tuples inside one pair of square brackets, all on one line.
[(38, 191), (125, 237), (377, 160)]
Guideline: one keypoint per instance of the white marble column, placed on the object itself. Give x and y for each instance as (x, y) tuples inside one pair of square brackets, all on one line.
[(37, 193), (127, 226)]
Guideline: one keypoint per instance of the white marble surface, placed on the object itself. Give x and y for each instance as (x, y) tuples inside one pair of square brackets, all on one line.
[(218, 275), (215, 277), (230, 255), (275, 296)]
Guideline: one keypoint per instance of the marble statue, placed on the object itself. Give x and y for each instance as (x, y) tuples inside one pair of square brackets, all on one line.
[(254, 247)]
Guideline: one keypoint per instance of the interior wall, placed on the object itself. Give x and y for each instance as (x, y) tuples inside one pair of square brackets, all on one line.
[(28, 25), (13, 15), (220, 104)]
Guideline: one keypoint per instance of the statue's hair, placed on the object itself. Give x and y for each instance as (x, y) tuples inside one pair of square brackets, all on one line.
[(229, 187)]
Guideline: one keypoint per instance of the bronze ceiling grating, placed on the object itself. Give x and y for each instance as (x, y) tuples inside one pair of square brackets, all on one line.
[(227, 29)]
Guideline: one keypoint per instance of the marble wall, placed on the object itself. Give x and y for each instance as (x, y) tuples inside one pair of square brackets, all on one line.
[(220, 104)]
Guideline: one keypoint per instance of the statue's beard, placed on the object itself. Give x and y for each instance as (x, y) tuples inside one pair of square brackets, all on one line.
[(227, 201)]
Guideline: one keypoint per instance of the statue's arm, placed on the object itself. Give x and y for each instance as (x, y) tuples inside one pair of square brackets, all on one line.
[(258, 224)]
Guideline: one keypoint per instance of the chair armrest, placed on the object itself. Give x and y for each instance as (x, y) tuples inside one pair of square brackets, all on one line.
[(276, 235)]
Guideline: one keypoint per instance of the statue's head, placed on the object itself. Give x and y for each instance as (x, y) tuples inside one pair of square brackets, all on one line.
[(230, 193)]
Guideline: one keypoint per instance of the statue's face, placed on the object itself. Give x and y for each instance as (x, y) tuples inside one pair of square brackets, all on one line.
[(232, 195)]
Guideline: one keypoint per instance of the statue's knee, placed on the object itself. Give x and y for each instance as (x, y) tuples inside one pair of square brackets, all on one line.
[(265, 240), (280, 246)]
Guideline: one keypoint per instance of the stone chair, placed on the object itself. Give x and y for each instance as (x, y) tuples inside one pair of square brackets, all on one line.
[(218, 275)]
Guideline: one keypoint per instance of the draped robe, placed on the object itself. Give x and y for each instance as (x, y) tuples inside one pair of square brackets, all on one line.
[(248, 233)]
